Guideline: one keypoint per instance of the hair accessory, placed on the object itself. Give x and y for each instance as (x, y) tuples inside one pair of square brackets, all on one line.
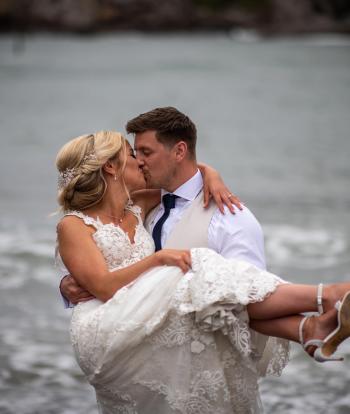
[(65, 177), (91, 156)]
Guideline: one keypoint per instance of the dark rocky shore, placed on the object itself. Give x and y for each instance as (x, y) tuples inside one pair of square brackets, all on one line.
[(88, 16)]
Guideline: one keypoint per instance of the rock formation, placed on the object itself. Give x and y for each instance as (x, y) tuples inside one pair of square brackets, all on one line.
[(266, 16)]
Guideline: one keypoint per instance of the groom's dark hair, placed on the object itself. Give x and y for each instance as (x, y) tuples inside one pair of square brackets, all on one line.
[(170, 124)]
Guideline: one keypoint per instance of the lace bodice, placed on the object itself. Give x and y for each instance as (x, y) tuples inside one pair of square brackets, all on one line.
[(114, 243)]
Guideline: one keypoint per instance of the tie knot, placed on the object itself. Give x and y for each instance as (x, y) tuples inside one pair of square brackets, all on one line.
[(169, 201)]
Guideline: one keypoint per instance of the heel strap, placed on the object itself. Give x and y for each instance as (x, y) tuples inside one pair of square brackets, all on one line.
[(319, 299), (313, 342), (301, 326)]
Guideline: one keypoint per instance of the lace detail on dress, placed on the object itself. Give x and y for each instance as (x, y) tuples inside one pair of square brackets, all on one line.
[(213, 380), (118, 401), (89, 221), (219, 301), (206, 389), (174, 332), (280, 358), (114, 242)]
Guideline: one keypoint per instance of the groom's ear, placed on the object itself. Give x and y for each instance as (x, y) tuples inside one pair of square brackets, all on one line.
[(180, 150)]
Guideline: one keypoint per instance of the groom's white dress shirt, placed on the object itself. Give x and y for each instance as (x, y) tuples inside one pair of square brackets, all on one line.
[(236, 236)]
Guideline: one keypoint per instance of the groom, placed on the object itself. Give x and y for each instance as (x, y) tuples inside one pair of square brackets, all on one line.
[(165, 144)]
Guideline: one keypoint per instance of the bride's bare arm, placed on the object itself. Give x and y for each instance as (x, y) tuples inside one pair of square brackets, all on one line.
[(88, 267), (214, 187)]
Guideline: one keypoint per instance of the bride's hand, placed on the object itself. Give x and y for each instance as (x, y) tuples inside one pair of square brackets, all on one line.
[(214, 187), (171, 257)]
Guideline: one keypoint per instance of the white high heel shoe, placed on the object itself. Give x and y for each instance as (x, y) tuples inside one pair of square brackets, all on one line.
[(312, 342), (341, 332), (319, 343)]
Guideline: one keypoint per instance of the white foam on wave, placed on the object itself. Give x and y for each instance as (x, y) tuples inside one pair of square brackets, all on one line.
[(24, 242), (26, 254), (11, 273), (304, 247)]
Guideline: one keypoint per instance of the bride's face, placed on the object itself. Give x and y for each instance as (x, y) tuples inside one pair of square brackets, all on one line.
[(132, 174)]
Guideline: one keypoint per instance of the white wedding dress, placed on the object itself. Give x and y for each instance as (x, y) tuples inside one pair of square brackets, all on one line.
[(170, 343)]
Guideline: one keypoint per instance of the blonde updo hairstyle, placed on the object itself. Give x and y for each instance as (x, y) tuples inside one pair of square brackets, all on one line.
[(85, 156)]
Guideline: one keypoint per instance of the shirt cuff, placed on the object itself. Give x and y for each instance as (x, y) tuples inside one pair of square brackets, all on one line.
[(66, 303)]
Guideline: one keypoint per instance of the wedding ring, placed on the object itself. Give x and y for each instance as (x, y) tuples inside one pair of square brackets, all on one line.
[(230, 195)]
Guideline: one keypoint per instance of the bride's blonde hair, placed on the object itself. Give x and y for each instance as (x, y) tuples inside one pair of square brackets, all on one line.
[(81, 183)]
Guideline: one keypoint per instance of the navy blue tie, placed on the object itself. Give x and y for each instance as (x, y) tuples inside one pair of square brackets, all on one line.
[(169, 203)]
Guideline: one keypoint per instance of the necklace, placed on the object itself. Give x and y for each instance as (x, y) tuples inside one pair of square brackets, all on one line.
[(118, 219)]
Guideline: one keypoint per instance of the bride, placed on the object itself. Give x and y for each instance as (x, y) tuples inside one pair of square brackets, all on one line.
[(174, 331)]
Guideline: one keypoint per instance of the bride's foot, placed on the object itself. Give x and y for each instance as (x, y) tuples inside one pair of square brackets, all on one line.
[(339, 334), (314, 329)]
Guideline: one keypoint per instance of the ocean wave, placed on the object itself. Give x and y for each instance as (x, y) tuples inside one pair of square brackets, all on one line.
[(26, 255), (26, 244), (310, 248)]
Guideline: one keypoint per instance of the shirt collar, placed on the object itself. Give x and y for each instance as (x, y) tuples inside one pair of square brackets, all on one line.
[(190, 189)]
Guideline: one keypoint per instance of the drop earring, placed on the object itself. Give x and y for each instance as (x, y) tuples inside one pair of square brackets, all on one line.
[(115, 177)]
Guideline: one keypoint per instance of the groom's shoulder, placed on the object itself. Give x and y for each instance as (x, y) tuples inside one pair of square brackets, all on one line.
[(242, 221)]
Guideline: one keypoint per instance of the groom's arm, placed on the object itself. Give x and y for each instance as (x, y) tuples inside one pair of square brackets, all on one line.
[(72, 293), (238, 236)]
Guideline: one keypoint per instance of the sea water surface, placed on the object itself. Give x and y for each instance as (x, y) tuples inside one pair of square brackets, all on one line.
[(272, 116)]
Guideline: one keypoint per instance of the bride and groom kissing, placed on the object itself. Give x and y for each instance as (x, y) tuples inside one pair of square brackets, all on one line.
[(194, 336)]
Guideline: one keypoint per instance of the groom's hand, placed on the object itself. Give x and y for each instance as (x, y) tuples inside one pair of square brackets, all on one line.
[(71, 290)]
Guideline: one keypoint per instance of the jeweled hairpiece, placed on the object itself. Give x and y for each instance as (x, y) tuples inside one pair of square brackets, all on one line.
[(91, 156), (65, 177)]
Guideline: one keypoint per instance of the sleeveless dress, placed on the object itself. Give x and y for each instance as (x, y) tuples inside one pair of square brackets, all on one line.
[(170, 343)]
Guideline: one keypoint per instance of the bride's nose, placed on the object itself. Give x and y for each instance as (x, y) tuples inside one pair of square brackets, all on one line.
[(140, 162)]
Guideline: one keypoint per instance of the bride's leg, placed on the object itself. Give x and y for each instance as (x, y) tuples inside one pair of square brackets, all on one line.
[(292, 299), (288, 327), (286, 300)]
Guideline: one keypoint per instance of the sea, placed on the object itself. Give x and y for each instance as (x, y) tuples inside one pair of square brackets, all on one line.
[(273, 116)]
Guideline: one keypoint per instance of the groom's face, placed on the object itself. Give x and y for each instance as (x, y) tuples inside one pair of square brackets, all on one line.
[(156, 160)]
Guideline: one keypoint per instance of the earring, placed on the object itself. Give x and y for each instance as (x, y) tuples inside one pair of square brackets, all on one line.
[(115, 177)]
